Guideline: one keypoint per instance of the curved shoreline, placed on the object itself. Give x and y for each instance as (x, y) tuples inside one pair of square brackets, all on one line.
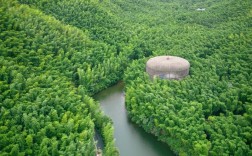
[(130, 138)]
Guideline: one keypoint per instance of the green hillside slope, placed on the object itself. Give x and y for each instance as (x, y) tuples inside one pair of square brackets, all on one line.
[(209, 112), (88, 16), (42, 60), (55, 54)]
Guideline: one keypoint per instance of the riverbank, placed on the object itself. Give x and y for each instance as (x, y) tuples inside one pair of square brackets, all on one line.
[(130, 138)]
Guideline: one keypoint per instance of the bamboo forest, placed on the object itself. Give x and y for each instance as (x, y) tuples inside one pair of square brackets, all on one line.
[(56, 55)]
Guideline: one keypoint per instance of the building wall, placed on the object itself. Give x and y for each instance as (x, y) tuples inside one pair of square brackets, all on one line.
[(167, 75)]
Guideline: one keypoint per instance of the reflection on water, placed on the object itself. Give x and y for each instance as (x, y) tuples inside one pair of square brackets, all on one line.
[(130, 139)]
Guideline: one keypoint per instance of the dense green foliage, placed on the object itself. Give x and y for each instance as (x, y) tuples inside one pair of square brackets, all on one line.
[(42, 60), (209, 112), (86, 15), (55, 54), (95, 72)]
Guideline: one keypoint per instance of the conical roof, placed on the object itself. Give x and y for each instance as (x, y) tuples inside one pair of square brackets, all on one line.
[(167, 64)]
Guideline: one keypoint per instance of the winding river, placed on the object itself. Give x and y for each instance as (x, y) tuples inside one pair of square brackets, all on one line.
[(130, 139)]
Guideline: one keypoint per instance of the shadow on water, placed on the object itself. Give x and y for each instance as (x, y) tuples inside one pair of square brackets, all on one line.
[(131, 139), (98, 138)]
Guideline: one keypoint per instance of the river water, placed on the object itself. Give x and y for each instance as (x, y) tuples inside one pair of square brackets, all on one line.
[(130, 139)]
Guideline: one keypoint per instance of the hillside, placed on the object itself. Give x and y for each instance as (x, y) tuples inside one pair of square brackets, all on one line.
[(209, 112), (45, 109), (54, 55)]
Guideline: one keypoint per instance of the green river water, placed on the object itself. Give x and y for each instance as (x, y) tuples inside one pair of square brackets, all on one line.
[(131, 140)]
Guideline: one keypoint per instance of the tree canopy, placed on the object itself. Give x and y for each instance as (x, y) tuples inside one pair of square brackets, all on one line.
[(54, 55)]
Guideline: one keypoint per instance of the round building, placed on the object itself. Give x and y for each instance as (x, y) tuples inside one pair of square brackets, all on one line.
[(167, 67)]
